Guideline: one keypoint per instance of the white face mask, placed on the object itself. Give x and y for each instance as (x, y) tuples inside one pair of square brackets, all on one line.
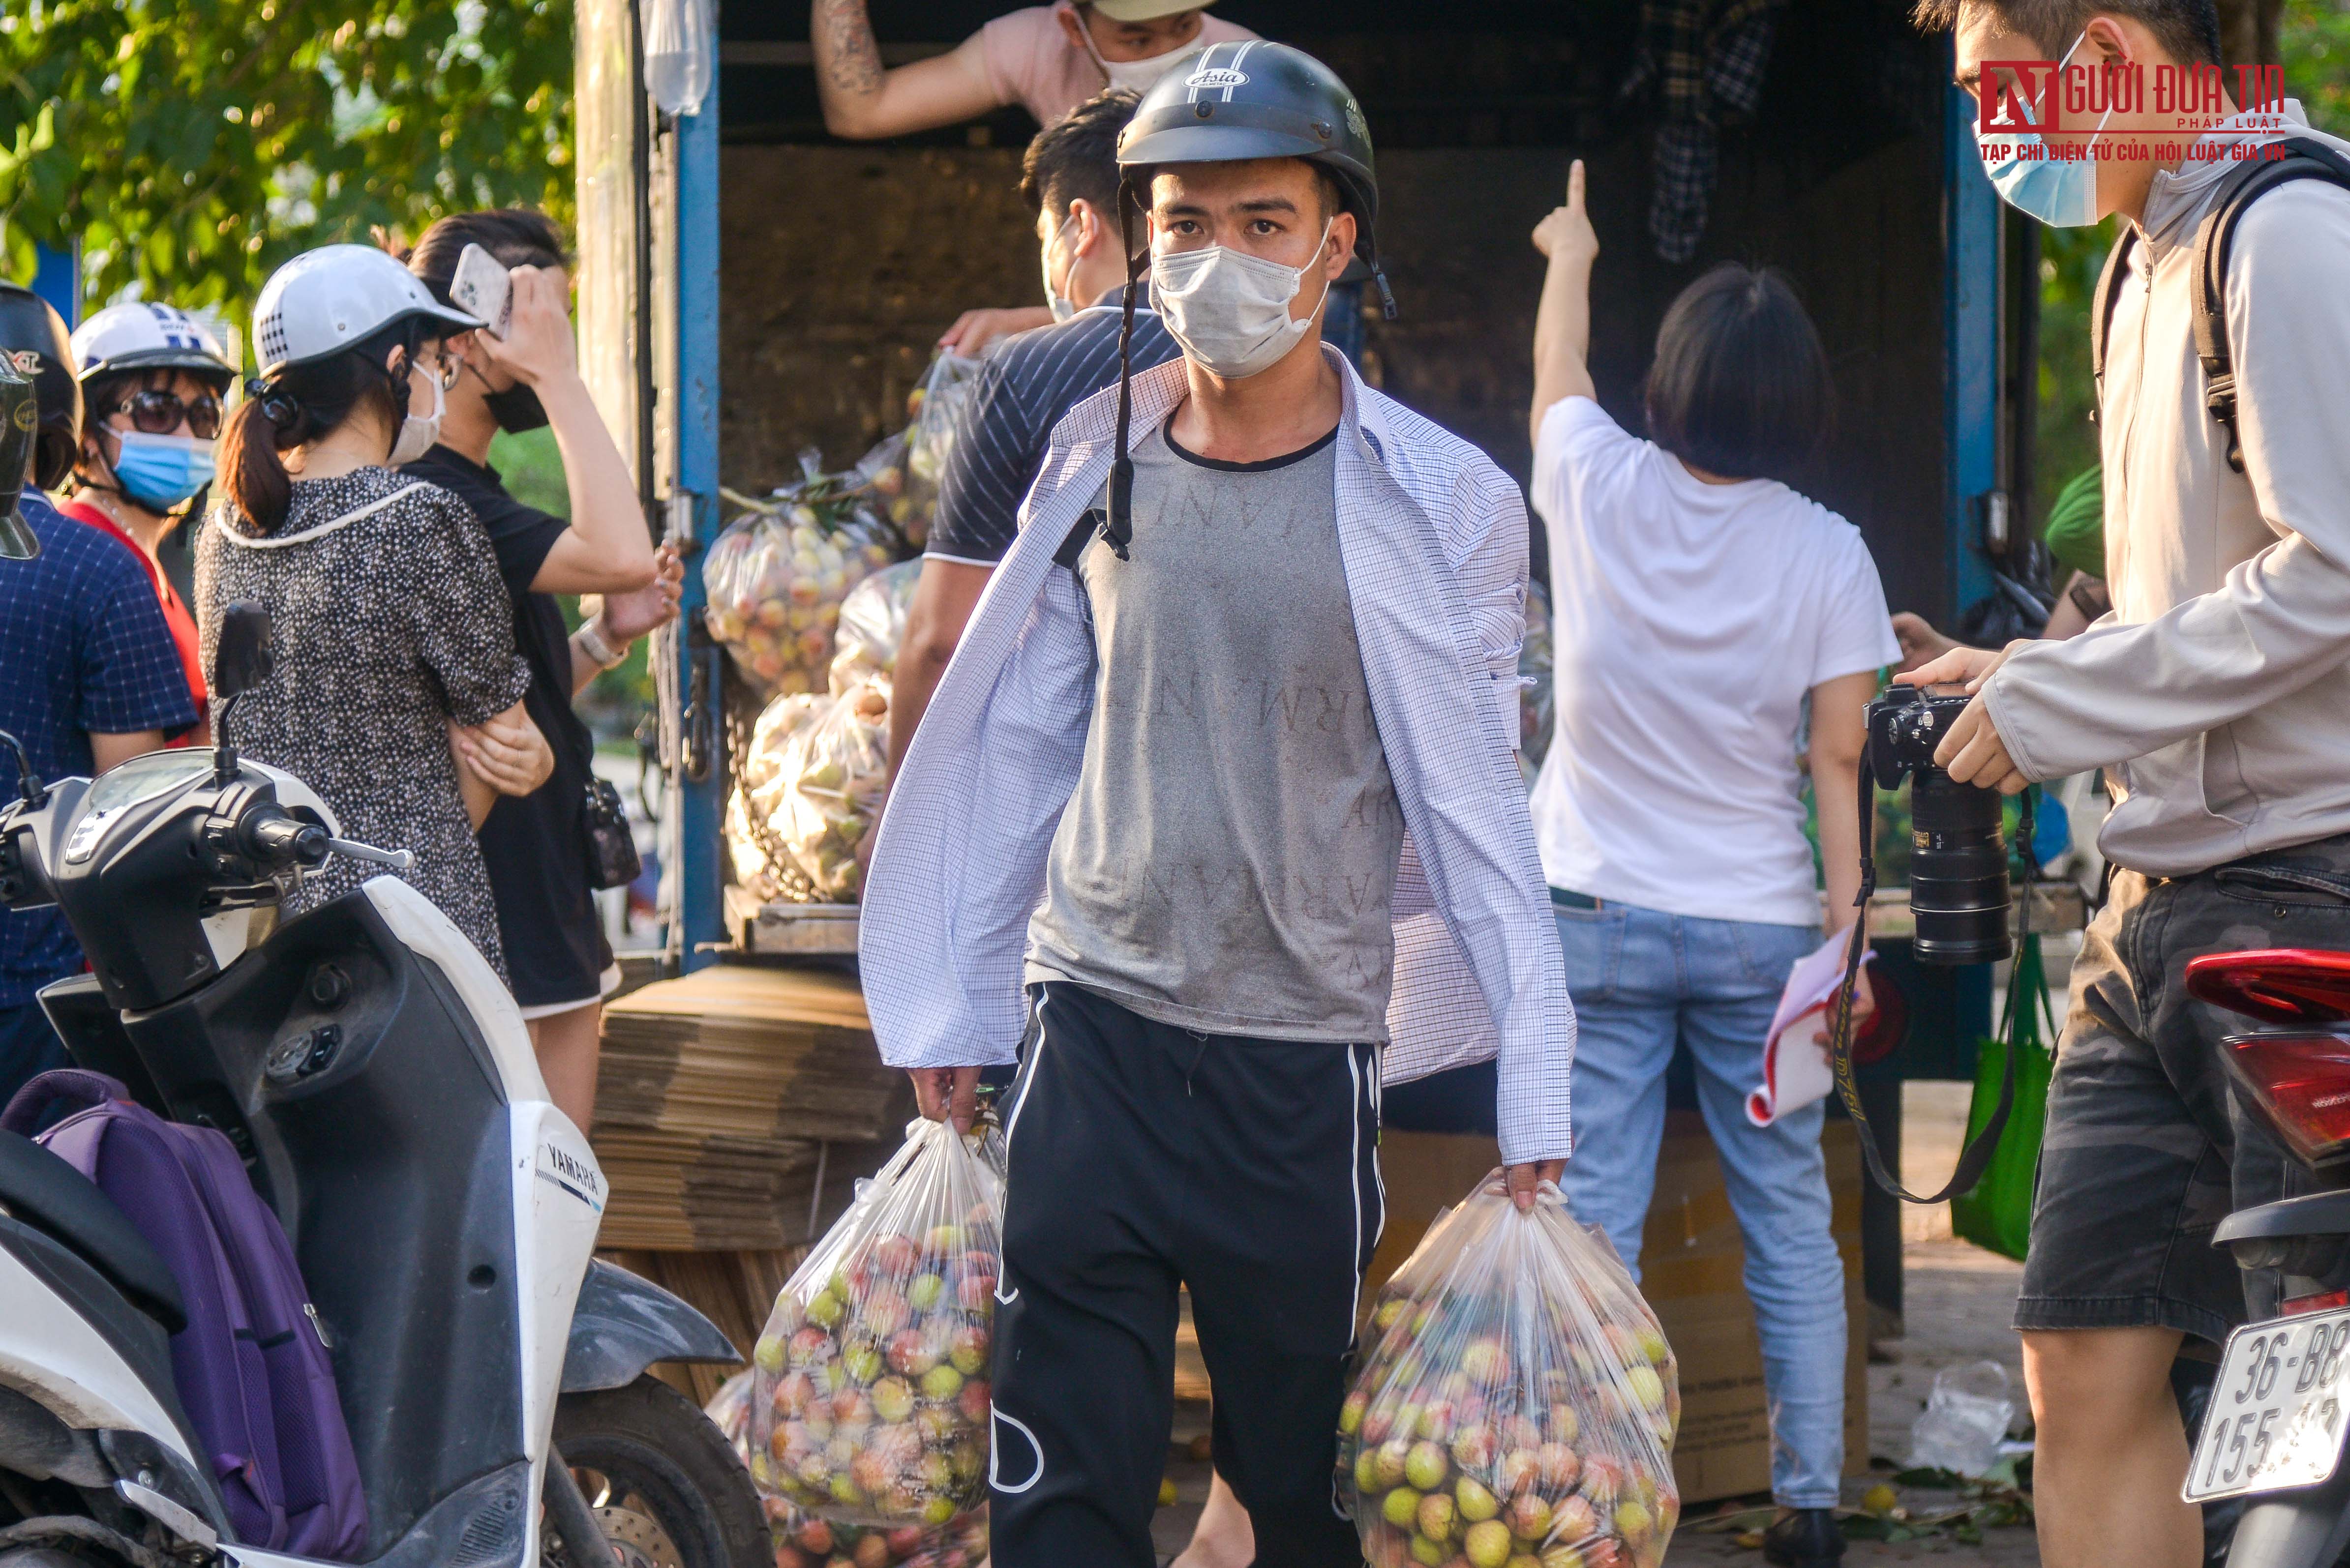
[(1063, 308), (1138, 76), (416, 435), (1229, 310)]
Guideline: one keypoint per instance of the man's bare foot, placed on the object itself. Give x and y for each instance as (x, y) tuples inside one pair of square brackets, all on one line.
[(1223, 1537)]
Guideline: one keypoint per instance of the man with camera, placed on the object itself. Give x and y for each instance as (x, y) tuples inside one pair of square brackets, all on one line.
[(2217, 697)]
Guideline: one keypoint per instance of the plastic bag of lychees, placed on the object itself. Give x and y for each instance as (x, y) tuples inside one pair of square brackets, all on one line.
[(870, 1403), (1513, 1401), (804, 1541)]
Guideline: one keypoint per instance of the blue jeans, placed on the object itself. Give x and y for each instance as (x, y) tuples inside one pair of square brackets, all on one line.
[(1640, 981)]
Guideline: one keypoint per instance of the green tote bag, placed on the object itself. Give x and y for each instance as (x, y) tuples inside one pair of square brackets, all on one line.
[(1997, 1211)]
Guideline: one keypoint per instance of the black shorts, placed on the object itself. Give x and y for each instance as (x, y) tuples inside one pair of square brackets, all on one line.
[(534, 846), (2148, 1145)]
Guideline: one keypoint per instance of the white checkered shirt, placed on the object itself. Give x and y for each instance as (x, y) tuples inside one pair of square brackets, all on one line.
[(1433, 537)]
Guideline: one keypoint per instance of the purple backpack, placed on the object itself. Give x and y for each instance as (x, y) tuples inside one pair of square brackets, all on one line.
[(251, 1364)]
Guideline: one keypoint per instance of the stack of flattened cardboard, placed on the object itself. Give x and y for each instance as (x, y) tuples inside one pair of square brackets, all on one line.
[(735, 1108), (1692, 1269)]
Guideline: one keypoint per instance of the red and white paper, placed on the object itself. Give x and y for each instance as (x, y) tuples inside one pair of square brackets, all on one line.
[(1796, 1057)]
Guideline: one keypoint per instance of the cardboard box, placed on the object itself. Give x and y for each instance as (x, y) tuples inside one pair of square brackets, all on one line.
[(1693, 1273)]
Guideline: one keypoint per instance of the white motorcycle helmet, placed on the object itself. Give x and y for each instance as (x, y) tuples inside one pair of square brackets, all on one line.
[(337, 297), (143, 336)]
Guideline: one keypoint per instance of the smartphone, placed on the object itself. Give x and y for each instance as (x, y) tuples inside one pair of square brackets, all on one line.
[(483, 288)]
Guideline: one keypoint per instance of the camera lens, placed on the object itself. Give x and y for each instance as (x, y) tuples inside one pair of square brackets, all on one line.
[(1958, 871)]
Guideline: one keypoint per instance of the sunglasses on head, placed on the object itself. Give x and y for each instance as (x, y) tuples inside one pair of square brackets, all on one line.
[(157, 412)]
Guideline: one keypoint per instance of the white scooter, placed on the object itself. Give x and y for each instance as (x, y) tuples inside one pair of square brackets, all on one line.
[(365, 1061)]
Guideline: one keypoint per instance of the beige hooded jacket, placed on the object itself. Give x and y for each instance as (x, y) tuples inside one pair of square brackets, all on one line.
[(2216, 693)]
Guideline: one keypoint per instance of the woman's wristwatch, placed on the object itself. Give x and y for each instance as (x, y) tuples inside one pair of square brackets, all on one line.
[(590, 638)]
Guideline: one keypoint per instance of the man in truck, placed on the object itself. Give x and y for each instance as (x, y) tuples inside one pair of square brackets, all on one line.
[(1046, 58), (1217, 800)]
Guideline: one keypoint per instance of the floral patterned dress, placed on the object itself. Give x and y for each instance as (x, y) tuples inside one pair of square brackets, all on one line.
[(390, 620)]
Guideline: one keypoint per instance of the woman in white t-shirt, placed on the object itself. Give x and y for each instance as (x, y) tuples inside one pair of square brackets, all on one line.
[(1701, 607)]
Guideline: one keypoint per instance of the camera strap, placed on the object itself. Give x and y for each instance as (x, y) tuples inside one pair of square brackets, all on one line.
[(1975, 1158)]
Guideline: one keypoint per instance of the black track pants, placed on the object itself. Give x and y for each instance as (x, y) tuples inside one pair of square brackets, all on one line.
[(1145, 1156)]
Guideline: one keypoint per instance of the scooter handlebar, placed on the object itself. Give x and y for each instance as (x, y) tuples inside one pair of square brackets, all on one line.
[(270, 835), (274, 837)]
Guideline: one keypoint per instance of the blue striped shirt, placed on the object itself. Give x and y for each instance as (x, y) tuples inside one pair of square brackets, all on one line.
[(1029, 381), (84, 648)]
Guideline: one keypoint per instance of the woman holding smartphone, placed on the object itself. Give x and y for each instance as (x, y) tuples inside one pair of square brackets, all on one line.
[(534, 846)]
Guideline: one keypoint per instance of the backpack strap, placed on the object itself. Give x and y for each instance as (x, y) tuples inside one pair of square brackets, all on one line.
[(72, 1087), (2303, 159), (1080, 534), (2101, 312)]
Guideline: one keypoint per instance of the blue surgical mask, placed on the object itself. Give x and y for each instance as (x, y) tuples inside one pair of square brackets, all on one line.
[(159, 473), (2059, 193)]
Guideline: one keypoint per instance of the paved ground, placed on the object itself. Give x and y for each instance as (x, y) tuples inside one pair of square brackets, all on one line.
[(1957, 1300)]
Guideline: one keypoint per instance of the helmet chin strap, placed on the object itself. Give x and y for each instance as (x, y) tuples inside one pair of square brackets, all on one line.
[(1118, 527)]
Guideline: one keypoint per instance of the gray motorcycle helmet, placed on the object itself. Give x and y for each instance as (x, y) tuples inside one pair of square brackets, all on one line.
[(1255, 99)]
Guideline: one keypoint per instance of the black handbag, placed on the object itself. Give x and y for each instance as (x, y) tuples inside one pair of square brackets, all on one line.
[(611, 843)]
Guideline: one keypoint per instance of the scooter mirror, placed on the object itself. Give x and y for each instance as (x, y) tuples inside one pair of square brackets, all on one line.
[(20, 420), (242, 661)]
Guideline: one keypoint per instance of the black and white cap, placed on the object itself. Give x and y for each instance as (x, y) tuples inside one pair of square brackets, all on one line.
[(337, 297)]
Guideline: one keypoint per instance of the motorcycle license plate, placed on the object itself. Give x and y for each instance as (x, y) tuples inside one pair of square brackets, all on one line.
[(2275, 1418)]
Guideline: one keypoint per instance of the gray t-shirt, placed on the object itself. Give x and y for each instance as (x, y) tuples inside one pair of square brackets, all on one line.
[(1227, 861)]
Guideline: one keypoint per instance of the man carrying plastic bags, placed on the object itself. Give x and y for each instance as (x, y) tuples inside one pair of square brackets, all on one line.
[(1224, 772)]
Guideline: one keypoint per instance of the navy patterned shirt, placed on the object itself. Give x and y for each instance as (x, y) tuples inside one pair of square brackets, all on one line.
[(1029, 381), (85, 646)]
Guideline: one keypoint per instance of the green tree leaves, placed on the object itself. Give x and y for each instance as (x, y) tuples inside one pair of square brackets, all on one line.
[(2315, 43), (191, 149)]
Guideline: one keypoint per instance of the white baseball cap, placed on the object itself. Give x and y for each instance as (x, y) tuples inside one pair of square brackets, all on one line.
[(336, 297), (139, 335), (1147, 10)]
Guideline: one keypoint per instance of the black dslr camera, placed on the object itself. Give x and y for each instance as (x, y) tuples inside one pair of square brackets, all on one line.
[(1958, 854)]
